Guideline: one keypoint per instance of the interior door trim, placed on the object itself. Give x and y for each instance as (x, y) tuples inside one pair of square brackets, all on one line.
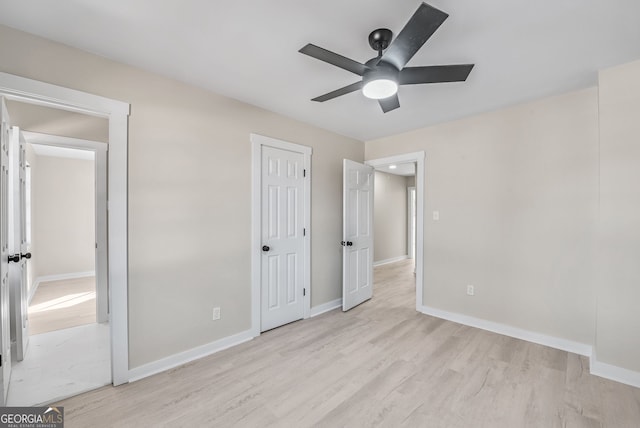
[(257, 142)]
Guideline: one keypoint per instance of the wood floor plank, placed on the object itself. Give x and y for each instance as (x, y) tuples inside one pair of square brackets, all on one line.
[(380, 364)]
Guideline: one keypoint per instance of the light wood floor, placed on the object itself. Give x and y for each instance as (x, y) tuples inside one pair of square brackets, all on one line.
[(63, 304), (379, 364)]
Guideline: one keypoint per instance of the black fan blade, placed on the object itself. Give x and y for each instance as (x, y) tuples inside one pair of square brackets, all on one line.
[(338, 92), (390, 103), (420, 27), (434, 74), (334, 59)]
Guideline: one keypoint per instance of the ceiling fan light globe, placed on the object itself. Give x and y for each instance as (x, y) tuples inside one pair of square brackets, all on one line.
[(380, 88)]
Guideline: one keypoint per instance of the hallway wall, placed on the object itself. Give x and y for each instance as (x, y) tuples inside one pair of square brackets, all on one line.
[(389, 216), (63, 218)]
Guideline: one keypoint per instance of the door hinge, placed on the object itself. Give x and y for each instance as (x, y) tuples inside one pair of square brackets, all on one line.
[(0, 360), (304, 291), (304, 172), (304, 231)]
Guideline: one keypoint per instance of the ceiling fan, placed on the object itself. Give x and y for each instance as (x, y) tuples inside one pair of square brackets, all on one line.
[(382, 74)]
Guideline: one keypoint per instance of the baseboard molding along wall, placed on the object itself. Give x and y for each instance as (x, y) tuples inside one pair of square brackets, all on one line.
[(597, 368), (392, 260), (181, 358), (612, 372), (325, 307), (58, 277)]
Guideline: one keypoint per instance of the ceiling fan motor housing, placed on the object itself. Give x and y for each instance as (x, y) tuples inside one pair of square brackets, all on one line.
[(380, 39), (382, 70)]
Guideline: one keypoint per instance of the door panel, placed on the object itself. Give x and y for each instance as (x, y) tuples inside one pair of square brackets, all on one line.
[(282, 233), (18, 244), (5, 341), (274, 269), (357, 250)]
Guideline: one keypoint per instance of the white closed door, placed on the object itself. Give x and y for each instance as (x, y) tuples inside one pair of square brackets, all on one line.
[(18, 244), (357, 226), (282, 225), (5, 341)]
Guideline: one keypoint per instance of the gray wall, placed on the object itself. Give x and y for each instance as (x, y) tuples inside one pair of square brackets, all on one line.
[(63, 221), (389, 216), (190, 195), (517, 192), (618, 332)]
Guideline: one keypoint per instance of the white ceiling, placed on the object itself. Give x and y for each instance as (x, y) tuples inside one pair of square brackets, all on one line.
[(248, 50), (406, 169)]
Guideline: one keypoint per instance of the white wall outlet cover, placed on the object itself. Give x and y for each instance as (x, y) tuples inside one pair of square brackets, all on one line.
[(216, 314), (470, 290), (436, 215)]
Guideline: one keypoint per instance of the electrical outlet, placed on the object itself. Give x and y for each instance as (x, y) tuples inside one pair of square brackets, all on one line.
[(470, 290), (216, 314), (436, 215)]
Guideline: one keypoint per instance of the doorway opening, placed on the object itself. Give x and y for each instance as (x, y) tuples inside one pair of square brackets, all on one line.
[(394, 231), (65, 334), (399, 221)]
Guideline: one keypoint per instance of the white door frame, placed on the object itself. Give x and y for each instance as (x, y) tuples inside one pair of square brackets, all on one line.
[(257, 142), (101, 265), (418, 158), (116, 112), (411, 233)]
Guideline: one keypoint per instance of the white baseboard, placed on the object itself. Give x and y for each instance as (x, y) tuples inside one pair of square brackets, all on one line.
[(181, 358), (597, 368), (58, 277), (325, 307), (392, 260), (611, 372), (507, 330)]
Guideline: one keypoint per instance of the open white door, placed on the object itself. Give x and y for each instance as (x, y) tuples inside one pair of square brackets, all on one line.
[(357, 227), (5, 341), (18, 244)]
